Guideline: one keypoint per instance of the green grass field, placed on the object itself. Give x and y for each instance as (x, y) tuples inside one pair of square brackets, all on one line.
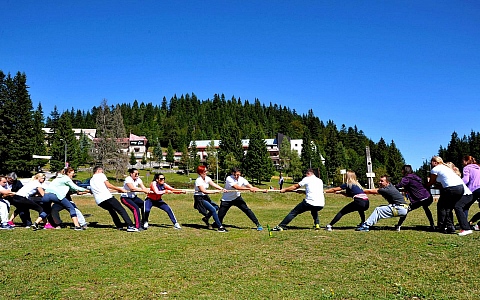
[(197, 263)]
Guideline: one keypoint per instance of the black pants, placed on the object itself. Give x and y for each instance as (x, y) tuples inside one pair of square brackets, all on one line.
[(476, 197), (447, 203), (358, 204), (24, 205), (423, 204), (240, 203), (300, 209), (113, 207)]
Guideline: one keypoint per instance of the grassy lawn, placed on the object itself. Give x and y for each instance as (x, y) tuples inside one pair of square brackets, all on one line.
[(197, 263)]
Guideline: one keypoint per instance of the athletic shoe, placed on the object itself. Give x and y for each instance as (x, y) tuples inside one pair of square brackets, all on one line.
[(464, 232), (35, 226), (78, 228), (364, 227), (316, 226), (6, 227), (450, 230), (48, 226), (205, 220), (259, 227), (84, 226), (132, 229), (277, 228), (145, 225), (222, 229), (397, 228), (328, 227), (11, 223), (476, 227), (177, 226)]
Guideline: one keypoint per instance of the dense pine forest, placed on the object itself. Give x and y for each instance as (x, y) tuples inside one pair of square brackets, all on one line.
[(173, 123)]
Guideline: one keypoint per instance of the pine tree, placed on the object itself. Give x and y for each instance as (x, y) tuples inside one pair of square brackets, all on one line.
[(84, 146), (158, 153), (64, 145), (185, 161), (39, 137), (170, 158), (231, 146), (394, 163), (133, 160), (212, 158), (257, 165), (17, 125)]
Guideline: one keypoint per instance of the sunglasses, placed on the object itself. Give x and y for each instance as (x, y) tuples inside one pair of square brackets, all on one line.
[(161, 178)]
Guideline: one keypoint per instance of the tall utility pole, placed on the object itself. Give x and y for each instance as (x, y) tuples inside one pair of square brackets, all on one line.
[(370, 174)]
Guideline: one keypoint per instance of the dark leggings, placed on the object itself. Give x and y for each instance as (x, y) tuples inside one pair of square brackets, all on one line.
[(423, 204), (113, 207), (476, 197), (24, 204), (358, 204), (240, 203)]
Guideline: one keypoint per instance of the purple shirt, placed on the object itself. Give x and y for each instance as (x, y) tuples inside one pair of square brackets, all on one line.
[(471, 176), (414, 187)]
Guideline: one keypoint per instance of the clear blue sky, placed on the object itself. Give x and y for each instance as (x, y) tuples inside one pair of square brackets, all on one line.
[(407, 71)]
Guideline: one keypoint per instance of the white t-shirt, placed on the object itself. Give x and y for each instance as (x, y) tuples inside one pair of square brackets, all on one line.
[(99, 189), (448, 178), (313, 190), (200, 182), (29, 188), (135, 183), (229, 183)]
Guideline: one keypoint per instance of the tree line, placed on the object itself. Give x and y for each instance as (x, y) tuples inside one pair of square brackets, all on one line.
[(172, 124)]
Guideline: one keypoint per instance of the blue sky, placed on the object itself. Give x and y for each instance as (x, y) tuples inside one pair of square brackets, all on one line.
[(407, 71)]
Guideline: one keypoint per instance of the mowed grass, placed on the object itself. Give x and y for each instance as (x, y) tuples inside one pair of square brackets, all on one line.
[(197, 263)]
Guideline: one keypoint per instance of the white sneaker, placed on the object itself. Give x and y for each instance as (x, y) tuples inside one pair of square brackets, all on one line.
[(177, 226), (464, 232), (145, 225), (328, 227), (398, 228), (132, 229), (476, 228)]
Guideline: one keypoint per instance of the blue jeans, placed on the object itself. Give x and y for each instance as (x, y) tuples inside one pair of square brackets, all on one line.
[(212, 211), (385, 212), (50, 197), (299, 209)]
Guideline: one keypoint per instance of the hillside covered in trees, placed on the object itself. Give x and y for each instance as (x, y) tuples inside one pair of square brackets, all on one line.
[(176, 121)]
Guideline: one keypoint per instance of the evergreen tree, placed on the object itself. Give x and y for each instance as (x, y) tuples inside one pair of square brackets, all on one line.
[(17, 125), (230, 143), (258, 165), (170, 158), (185, 161), (133, 160), (394, 163), (158, 153), (85, 149), (194, 158), (212, 158), (39, 137), (307, 151), (285, 154)]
